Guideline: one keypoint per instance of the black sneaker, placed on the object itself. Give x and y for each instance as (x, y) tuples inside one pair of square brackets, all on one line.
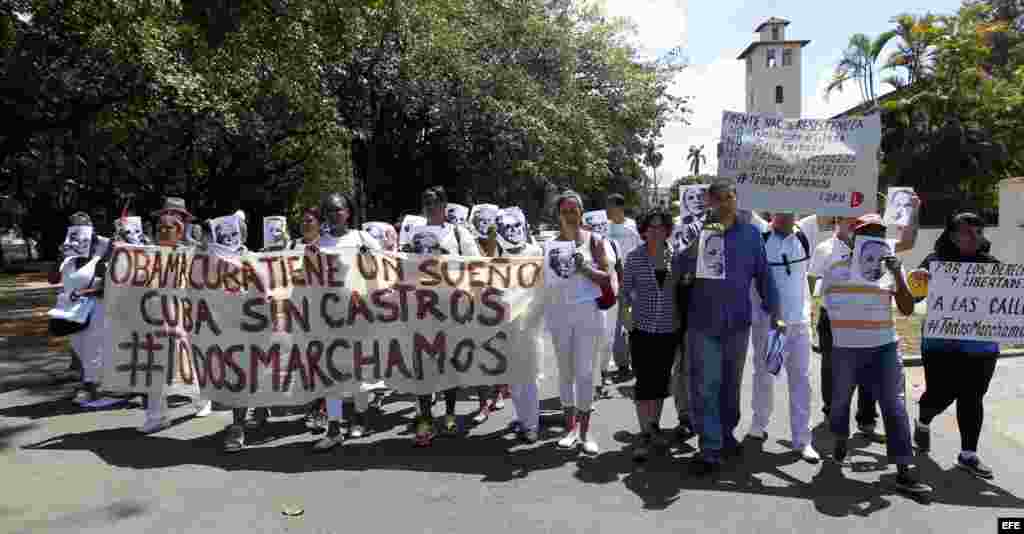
[(234, 441), (643, 448), (530, 436), (923, 439), (839, 451), (974, 466), (909, 483), (684, 431), (703, 467)]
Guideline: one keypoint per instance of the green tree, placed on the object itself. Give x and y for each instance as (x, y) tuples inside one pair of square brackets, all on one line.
[(858, 65)]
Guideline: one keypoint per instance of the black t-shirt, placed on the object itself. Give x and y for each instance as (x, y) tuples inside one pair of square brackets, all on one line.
[(660, 274)]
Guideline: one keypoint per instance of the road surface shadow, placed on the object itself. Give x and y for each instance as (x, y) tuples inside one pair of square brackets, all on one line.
[(496, 456), (7, 434), (105, 516)]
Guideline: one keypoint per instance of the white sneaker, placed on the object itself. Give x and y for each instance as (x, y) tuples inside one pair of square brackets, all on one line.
[(152, 426), (759, 435), (204, 408), (570, 441), (809, 455), (590, 447), (327, 443)]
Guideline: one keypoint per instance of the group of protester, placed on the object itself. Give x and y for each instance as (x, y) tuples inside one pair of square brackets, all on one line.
[(681, 335)]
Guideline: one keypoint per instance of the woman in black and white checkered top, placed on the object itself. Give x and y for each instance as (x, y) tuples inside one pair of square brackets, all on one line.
[(649, 283)]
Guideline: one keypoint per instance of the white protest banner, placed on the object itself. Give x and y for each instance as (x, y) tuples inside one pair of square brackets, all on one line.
[(899, 205), (828, 167), (976, 301), (285, 328)]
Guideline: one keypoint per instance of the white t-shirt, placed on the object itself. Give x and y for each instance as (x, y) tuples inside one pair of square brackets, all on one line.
[(625, 236), (794, 293), (581, 290), (451, 244), (352, 239)]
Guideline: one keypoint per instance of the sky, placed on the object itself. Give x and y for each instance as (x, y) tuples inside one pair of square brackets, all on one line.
[(713, 32)]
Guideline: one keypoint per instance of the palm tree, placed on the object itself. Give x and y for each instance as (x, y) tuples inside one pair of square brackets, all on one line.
[(696, 157), (858, 64), (652, 158), (913, 53)]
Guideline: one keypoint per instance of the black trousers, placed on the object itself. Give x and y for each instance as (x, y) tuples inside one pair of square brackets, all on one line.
[(867, 406), (962, 377)]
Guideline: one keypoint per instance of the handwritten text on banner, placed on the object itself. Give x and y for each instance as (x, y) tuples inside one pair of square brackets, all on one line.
[(976, 301), (825, 166), (287, 328)]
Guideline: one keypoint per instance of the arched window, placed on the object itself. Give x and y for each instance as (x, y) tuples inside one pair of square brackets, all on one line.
[(779, 97)]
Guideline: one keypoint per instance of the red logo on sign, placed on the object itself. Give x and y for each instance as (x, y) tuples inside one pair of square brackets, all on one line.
[(856, 199)]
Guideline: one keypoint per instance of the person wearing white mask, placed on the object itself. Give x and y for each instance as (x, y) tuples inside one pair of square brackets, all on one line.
[(81, 274), (513, 237)]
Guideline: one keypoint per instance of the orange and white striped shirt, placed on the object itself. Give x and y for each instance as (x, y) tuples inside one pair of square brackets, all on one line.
[(860, 313)]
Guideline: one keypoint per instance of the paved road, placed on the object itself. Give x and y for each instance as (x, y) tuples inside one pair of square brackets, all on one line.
[(66, 471)]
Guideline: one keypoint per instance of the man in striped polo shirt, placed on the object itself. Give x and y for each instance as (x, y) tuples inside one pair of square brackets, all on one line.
[(865, 349)]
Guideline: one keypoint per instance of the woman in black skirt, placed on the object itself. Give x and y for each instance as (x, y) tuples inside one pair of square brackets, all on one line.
[(649, 283)]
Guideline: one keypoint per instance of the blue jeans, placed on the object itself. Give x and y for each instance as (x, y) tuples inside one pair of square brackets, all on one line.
[(716, 374), (881, 370)]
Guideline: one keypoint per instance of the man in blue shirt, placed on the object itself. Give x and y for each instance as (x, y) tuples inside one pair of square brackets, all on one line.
[(718, 330)]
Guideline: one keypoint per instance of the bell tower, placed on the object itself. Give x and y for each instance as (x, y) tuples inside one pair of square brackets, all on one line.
[(773, 67)]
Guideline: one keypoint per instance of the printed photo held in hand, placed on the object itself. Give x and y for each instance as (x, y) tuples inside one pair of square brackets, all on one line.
[(481, 218), (384, 233), (899, 206), (692, 202), (596, 221), (275, 232), (427, 240), (711, 255), (409, 223), (456, 214), (558, 262), (866, 265)]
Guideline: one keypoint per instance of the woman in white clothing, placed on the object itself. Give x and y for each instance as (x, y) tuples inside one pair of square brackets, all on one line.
[(576, 325), (339, 229), (81, 273), (514, 239)]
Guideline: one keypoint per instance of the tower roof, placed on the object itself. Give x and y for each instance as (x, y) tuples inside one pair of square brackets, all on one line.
[(771, 20), (750, 48)]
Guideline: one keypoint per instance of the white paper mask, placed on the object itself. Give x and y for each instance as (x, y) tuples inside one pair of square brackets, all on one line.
[(129, 230), (456, 214), (409, 223), (77, 241), (512, 229), (482, 217), (597, 221), (227, 232), (275, 231), (427, 239)]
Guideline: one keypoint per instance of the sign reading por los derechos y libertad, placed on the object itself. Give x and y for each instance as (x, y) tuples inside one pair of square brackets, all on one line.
[(976, 301), (288, 327), (828, 167)]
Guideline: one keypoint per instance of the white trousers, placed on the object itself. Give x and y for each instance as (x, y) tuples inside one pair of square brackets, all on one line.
[(796, 361), (156, 405), (526, 401), (89, 345), (610, 319), (577, 331), (335, 407)]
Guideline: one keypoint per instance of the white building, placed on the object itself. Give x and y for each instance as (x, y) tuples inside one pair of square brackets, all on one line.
[(773, 71)]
